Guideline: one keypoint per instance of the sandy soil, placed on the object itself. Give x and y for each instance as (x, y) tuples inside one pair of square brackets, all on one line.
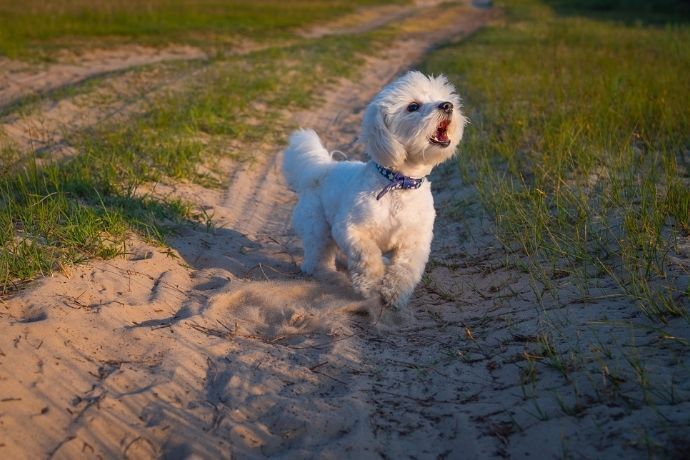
[(363, 20), (219, 347), (19, 79)]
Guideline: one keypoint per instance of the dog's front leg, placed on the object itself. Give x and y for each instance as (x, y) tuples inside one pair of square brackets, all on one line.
[(365, 263), (404, 272), (364, 260)]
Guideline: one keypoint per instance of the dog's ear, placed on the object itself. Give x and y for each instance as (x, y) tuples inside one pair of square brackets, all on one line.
[(379, 142)]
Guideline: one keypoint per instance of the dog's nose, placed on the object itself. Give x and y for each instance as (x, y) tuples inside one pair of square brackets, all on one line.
[(446, 107)]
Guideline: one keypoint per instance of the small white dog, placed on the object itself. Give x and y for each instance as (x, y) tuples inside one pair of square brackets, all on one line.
[(384, 206)]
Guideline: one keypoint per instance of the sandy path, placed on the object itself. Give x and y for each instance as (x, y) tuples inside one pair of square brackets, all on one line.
[(45, 130), (369, 18), (45, 127), (20, 79)]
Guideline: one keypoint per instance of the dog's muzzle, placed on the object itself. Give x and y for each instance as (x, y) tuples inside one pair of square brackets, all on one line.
[(440, 137)]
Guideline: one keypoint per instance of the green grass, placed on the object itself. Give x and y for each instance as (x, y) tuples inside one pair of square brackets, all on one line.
[(38, 26), (58, 216), (578, 144)]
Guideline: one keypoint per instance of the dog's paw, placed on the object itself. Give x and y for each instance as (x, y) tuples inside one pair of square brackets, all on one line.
[(385, 315), (392, 296), (307, 269), (364, 285)]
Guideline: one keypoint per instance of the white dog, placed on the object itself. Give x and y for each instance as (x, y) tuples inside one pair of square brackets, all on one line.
[(384, 206)]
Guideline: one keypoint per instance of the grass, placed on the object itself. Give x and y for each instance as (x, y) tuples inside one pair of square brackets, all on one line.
[(36, 27), (57, 216), (578, 144), (67, 212)]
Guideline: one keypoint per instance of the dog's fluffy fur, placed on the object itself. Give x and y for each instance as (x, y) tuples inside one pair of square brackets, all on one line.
[(337, 205)]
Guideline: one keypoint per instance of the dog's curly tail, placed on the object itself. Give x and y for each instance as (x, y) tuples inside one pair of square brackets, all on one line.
[(305, 161)]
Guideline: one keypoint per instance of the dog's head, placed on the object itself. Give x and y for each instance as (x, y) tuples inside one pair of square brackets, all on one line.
[(413, 124)]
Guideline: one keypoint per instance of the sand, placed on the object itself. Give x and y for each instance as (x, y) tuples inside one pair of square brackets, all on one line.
[(218, 347), (20, 79)]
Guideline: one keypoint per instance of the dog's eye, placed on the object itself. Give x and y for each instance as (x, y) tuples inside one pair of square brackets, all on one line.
[(413, 107)]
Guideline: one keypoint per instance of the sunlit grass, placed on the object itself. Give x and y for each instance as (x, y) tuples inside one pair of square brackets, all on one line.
[(54, 217)]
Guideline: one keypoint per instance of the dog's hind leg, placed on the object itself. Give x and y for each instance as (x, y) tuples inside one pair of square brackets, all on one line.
[(319, 252), (311, 226)]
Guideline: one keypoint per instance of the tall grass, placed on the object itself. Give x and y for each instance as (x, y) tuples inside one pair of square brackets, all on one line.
[(579, 144)]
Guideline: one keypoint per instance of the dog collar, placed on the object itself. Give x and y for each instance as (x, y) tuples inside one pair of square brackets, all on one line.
[(398, 181)]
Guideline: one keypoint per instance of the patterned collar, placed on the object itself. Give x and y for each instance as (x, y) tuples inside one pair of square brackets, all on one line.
[(398, 181)]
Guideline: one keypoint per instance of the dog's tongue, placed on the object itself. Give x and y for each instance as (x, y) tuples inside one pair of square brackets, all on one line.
[(441, 131)]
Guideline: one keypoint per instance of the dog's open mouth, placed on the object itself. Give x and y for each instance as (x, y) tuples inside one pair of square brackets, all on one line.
[(440, 137)]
